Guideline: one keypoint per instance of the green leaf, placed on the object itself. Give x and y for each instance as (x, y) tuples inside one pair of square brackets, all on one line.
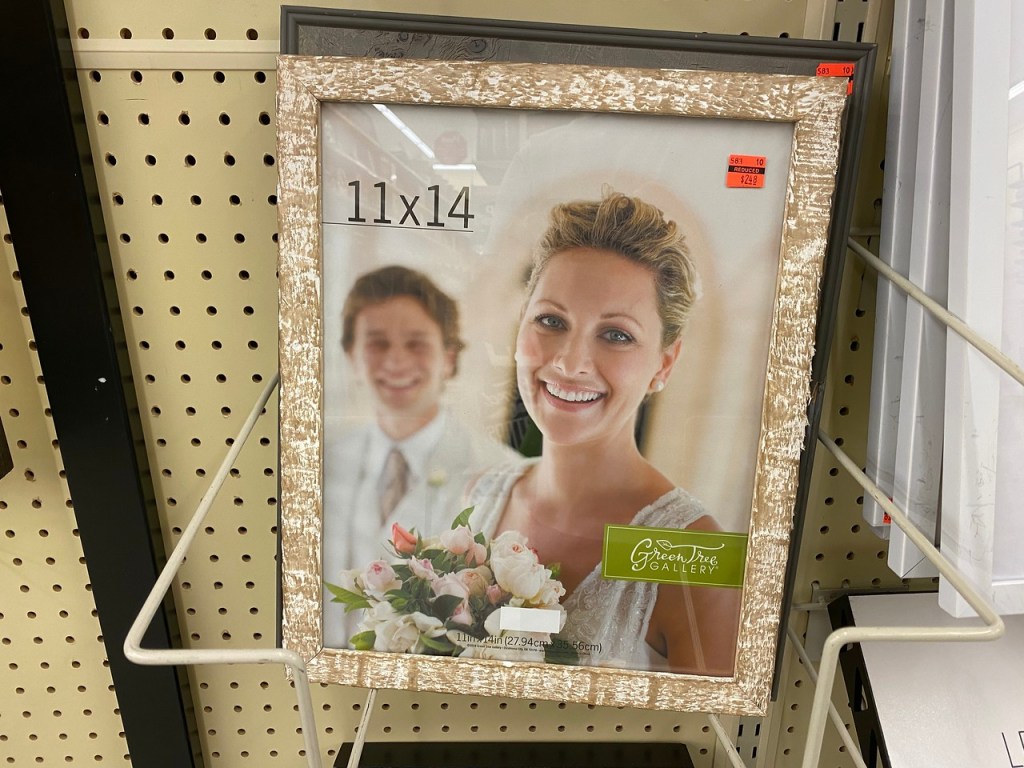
[(463, 518), (556, 570), (364, 640), (478, 605), (352, 600), (403, 572), (399, 603), (442, 561), (445, 605), (417, 588), (440, 644)]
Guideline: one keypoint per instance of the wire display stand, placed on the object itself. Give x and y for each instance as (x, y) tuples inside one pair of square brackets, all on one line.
[(822, 709), (133, 649)]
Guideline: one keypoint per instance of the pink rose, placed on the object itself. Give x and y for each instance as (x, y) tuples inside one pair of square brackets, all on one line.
[(462, 616), (476, 555), (422, 569), (475, 580), (495, 594), (449, 584), (403, 541), (458, 540), (378, 577)]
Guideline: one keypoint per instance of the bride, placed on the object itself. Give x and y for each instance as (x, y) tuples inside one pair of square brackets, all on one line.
[(607, 299)]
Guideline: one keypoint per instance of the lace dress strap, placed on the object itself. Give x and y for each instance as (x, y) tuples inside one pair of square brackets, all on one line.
[(489, 495), (608, 619)]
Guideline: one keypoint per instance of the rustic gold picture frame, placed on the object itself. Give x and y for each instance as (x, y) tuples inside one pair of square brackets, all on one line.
[(812, 106)]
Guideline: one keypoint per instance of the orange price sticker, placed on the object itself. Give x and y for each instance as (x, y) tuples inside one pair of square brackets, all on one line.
[(745, 171), (838, 69)]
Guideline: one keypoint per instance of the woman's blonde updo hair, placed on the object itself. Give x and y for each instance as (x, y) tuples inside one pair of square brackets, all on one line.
[(635, 230)]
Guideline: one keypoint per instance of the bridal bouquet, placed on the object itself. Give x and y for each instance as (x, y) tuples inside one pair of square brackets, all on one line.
[(442, 595)]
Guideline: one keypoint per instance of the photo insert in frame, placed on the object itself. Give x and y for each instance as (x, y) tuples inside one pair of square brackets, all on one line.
[(545, 343)]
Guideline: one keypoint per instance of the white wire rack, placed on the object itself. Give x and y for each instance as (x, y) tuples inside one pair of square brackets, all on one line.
[(133, 649), (823, 678)]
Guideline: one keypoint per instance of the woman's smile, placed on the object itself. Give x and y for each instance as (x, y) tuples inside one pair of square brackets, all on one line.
[(571, 395)]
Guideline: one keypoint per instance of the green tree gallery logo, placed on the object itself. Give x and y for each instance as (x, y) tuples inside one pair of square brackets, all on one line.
[(673, 556)]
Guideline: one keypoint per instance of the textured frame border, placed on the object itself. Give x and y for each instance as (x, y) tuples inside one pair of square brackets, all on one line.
[(813, 105)]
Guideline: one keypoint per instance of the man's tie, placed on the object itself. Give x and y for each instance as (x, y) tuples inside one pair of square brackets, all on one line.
[(396, 483)]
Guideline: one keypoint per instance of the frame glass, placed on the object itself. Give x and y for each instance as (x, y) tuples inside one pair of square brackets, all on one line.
[(448, 171)]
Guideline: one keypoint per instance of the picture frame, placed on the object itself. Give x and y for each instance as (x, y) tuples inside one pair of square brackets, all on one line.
[(313, 31), (324, 102)]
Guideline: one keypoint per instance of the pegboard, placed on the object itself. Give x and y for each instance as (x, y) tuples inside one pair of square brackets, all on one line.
[(57, 703), (179, 102)]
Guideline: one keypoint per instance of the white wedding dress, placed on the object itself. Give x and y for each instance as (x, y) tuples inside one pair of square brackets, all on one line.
[(609, 616)]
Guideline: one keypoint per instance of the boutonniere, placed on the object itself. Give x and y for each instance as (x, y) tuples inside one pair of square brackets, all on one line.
[(436, 478)]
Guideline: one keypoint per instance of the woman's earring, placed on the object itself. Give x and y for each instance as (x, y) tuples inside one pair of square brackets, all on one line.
[(659, 385)]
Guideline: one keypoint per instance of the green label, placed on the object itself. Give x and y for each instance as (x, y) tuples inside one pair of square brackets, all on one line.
[(673, 556)]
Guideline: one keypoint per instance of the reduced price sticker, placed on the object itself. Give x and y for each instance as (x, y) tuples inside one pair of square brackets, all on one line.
[(745, 171), (838, 69)]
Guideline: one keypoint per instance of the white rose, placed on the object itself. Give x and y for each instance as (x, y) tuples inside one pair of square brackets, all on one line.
[(347, 580), (399, 635), (548, 595), (520, 577), (378, 614), (427, 625), (515, 565), (402, 633), (458, 540), (507, 541)]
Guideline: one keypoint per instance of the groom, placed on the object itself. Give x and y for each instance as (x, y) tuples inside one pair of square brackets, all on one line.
[(400, 334)]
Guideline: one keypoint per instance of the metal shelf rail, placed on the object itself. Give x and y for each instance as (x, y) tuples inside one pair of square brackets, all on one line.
[(992, 629), (133, 649)]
